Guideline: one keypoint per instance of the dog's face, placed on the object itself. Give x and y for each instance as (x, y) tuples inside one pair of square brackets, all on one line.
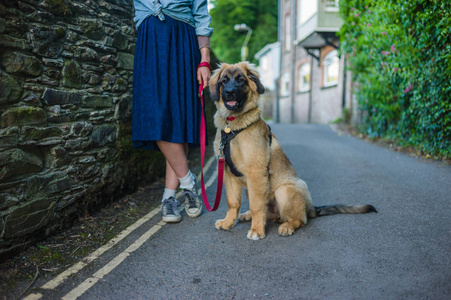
[(235, 87)]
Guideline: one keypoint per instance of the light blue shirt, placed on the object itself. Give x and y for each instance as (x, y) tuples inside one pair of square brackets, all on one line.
[(193, 12)]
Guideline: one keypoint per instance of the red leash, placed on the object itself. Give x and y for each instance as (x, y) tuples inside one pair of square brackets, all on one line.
[(203, 133)]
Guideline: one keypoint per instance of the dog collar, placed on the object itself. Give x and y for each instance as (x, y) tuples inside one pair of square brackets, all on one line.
[(229, 119)]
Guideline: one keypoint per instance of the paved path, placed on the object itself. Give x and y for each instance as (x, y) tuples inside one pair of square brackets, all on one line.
[(403, 252)]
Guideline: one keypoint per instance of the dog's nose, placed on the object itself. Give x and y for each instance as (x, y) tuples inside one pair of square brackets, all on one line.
[(230, 94)]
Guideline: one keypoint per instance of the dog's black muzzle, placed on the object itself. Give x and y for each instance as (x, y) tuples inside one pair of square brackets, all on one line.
[(233, 96)]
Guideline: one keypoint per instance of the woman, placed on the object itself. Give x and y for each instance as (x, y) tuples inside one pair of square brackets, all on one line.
[(173, 39)]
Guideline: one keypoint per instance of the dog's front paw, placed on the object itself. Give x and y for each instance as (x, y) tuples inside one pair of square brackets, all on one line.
[(256, 234), (224, 224), (246, 217), (286, 229)]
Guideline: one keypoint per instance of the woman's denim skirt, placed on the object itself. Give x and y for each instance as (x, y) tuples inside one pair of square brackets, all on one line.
[(166, 106)]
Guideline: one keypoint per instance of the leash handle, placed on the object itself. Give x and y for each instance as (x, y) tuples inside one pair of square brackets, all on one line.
[(203, 64), (203, 134)]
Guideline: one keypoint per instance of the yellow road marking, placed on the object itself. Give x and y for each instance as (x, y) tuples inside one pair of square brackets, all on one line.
[(80, 265), (88, 283)]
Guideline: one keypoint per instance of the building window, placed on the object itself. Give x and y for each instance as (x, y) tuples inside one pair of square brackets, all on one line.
[(304, 78), (287, 32), (331, 5), (285, 85), (331, 64)]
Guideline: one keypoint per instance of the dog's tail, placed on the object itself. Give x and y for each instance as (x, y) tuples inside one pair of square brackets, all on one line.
[(319, 211)]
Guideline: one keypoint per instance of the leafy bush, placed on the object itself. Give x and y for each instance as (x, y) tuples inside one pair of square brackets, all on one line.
[(399, 53)]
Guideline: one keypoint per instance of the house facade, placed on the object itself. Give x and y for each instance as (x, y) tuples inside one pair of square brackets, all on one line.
[(269, 68), (313, 86)]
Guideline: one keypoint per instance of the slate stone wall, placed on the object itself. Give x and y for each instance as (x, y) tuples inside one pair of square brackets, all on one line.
[(65, 109)]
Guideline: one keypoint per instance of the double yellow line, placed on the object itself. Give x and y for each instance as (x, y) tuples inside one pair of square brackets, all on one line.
[(88, 283)]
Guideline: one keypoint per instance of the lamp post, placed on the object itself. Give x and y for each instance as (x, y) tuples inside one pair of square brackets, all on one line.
[(244, 28)]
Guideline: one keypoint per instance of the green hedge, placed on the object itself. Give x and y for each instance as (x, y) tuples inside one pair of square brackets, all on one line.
[(399, 53)]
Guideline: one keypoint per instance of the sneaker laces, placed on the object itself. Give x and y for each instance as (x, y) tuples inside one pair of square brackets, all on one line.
[(170, 205), (192, 199)]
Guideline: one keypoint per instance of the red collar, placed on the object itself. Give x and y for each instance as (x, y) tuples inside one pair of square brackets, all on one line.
[(231, 118)]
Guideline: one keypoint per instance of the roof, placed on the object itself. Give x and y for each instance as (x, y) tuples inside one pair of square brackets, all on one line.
[(266, 49)]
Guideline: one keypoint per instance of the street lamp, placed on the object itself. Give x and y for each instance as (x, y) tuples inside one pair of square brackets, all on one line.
[(244, 28)]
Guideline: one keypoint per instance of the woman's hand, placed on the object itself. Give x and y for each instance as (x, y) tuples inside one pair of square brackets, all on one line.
[(204, 73)]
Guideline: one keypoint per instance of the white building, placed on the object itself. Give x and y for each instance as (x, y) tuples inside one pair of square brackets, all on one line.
[(269, 65), (269, 69), (313, 86)]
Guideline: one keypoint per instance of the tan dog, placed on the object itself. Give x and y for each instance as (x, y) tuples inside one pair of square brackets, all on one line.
[(256, 161)]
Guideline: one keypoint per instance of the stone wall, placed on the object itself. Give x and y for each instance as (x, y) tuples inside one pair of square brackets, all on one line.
[(65, 109)]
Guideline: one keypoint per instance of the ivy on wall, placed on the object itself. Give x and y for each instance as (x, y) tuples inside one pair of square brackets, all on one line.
[(399, 53)]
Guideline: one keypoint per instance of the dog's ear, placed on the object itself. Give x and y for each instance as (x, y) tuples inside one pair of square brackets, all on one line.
[(254, 77), (252, 74), (214, 86)]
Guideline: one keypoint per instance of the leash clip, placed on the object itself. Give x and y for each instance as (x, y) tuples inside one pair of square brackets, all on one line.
[(221, 150)]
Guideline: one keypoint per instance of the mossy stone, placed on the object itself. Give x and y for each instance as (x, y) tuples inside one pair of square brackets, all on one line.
[(12, 42), (57, 97), (120, 40), (125, 61), (60, 7), (19, 116), (32, 133), (97, 101), (17, 161), (92, 28), (10, 90), (42, 186), (123, 109), (71, 74), (28, 218), (2, 25), (16, 62), (103, 135), (47, 41), (7, 200)]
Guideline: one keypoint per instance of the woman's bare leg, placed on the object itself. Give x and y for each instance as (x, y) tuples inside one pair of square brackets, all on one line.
[(177, 170), (176, 167), (176, 162)]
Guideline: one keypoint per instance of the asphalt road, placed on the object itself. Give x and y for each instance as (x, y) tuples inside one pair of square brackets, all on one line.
[(402, 252)]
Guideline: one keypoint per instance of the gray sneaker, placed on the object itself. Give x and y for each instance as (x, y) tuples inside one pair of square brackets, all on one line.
[(193, 203), (169, 211)]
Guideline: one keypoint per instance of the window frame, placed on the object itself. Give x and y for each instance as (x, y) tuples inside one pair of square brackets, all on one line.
[(285, 85), (326, 65), (332, 5), (301, 83)]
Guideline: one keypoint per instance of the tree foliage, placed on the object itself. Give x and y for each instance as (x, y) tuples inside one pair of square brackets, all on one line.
[(400, 56), (260, 15)]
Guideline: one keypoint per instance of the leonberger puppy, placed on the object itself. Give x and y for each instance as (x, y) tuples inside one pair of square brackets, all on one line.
[(255, 160)]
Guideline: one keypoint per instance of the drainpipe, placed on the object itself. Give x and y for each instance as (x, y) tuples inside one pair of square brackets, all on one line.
[(277, 118), (280, 34), (343, 103), (310, 97), (293, 59), (313, 56)]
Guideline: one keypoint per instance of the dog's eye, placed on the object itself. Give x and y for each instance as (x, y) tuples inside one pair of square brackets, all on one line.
[(225, 79), (239, 79)]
